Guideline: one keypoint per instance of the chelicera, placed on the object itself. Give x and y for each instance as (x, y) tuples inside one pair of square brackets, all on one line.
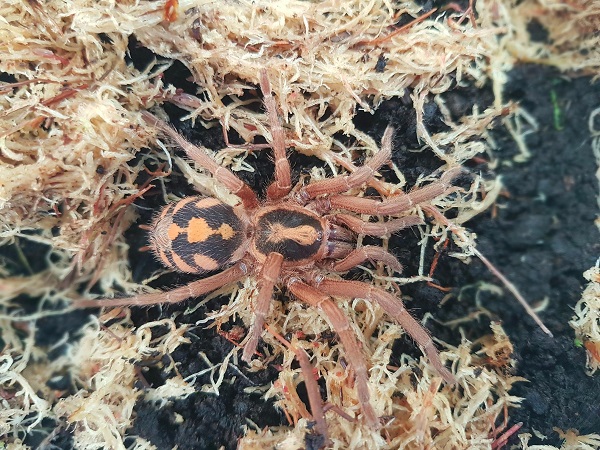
[(296, 239)]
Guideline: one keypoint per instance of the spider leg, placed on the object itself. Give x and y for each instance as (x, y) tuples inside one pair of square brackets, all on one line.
[(269, 274), (394, 308), (394, 205), (367, 253), (361, 175), (340, 324), (283, 179), (312, 388), (201, 156), (380, 229), (193, 289)]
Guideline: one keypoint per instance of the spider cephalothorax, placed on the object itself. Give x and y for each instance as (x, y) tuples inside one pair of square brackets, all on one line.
[(294, 239)]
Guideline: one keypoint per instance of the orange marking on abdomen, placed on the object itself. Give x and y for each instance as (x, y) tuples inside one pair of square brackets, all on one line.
[(207, 202), (206, 262), (166, 211), (182, 265), (198, 230), (164, 259), (226, 231), (174, 231), (181, 203)]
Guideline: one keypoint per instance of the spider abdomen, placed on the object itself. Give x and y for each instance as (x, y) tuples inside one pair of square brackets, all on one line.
[(197, 234), (294, 232)]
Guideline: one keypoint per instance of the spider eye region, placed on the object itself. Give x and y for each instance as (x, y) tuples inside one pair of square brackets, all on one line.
[(296, 234), (197, 234)]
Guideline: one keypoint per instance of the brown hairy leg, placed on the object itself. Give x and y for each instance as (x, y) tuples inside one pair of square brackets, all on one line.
[(340, 324), (361, 175), (393, 205), (268, 276), (193, 289), (394, 307), (367, 253), (283, 178), (380, 229), (201, 156)]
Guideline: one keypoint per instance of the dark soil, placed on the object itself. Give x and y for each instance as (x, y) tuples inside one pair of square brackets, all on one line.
[(542, 238)]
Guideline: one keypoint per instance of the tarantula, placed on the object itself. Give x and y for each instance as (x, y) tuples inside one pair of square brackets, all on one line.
[(293, 239)]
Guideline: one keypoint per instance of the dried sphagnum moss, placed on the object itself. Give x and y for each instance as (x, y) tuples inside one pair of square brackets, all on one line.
[(102, 410), (572, 43), (70, 125)]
